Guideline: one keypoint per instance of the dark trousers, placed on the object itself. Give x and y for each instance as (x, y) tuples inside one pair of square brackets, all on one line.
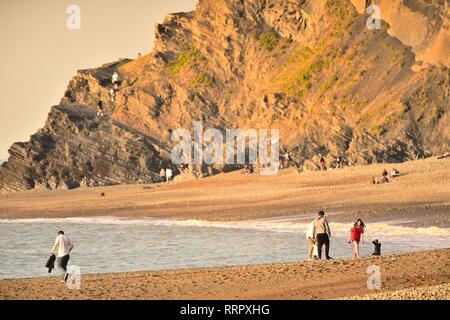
[(322, 239), (63, 261)]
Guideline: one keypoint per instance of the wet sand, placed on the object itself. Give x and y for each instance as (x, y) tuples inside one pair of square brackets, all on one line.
[(419, 273), (420, 194)]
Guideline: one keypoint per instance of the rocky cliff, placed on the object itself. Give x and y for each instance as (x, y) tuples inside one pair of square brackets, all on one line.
[(311, 68), (76, 149)]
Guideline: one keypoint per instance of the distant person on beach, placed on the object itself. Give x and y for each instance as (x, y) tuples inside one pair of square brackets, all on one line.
[(322, 164), (311, 241), (248, 169), (168, 174), (323, 234), (356, 235), (162, 175), (395, 173), (64, 247), (385, 173), (377, 249), (285, 160), (100, 109), (383, 179)]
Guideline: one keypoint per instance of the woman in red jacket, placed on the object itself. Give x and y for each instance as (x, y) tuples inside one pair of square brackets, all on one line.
[(356, 235)]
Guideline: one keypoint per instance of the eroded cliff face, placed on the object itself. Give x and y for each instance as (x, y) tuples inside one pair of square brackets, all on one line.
[(76, 149), (308, 67), (423, 25)]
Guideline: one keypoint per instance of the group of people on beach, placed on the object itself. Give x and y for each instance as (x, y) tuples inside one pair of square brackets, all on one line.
[(385, 177), (336, 163), (319, 234), (165, 175)]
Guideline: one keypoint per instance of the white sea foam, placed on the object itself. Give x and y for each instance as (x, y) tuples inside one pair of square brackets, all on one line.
[(292, 225)]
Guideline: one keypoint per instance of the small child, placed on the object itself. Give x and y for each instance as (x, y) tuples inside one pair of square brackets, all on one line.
[(377, 250)]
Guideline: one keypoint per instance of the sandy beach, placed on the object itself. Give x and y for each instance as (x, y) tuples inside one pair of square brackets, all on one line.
[(420, 194), (421, 275)]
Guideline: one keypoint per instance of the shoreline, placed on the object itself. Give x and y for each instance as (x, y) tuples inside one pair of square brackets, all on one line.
[(227, 267), (421, 193), (334, 279)]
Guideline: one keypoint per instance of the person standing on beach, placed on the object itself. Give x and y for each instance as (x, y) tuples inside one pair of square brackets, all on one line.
[(311, 241), (64, 247), (162, 175), (323, 234), (356, 235), (168, 174), (322, 164)]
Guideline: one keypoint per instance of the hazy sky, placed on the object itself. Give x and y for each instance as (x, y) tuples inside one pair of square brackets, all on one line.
[(39, 54)]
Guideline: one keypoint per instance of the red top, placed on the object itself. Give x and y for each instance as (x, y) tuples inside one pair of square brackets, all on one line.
[(356, 233)]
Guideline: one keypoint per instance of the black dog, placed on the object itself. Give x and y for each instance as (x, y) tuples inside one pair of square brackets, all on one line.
[(377, 250)]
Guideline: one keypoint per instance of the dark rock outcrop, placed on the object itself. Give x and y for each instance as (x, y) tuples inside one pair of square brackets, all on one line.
[(77, 148)]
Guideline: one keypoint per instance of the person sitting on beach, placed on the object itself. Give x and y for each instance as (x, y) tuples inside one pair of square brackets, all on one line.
[(184, 167), (248, 169), (380, 180), (377, 249), (323, 235), (311, 241), (356, 235), (395, 173), (383, 179), (64, 247)]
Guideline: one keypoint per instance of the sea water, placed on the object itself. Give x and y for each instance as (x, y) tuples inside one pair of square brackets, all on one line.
[(110, 244)]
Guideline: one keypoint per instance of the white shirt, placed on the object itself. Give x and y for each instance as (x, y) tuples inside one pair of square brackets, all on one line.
[(63, 244), (115, 77), (311, 231), (169, 173)]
